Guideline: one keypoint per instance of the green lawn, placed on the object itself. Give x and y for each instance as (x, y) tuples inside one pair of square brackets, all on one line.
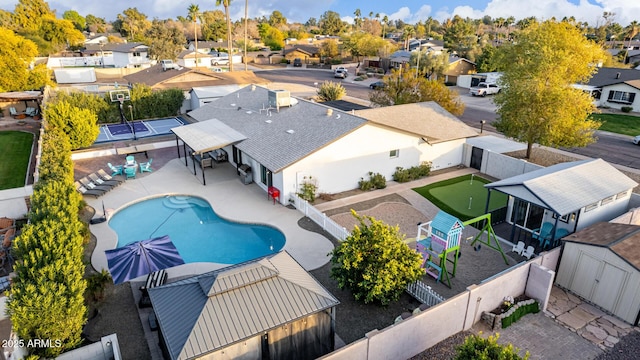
[(15, 147), (619, 124), (454, 196)]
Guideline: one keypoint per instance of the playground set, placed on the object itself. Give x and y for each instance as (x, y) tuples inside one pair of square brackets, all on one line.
[(440, 238)]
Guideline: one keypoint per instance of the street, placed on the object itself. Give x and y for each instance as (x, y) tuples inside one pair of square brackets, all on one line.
[(614, 148)]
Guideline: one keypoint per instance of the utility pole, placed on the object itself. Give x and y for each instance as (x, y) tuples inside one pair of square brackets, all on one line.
[(246, 11)]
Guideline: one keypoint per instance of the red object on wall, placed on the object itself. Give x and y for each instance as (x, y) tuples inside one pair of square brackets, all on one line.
[(274, 193)]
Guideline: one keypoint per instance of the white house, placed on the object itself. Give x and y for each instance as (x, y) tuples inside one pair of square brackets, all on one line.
[(203, 95), (188, 58), (615, 88), (131, 55), (288, 141)]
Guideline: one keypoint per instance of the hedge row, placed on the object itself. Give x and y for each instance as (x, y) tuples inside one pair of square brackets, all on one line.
[(46, 300)]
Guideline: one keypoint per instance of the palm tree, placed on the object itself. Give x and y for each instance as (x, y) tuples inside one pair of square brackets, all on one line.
[(385, 21), (632, 30), (246, 13), (226, 3), (194, 14)]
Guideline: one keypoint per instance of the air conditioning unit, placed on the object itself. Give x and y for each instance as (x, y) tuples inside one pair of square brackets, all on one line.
[(278, 98)]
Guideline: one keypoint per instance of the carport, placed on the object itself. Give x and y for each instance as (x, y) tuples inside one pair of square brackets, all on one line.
[(202, 137)]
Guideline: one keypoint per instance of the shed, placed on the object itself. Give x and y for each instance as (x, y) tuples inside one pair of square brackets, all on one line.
[(268, 308), (601, 263)]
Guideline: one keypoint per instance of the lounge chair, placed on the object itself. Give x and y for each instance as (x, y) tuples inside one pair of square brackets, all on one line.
[(130, 172), (14, 112), (146, 166), (84, 191), (115, 170), (91, 186), (103, 174), (518, 248), (529, 252), (31, 111), (154, 279), (99, 181)]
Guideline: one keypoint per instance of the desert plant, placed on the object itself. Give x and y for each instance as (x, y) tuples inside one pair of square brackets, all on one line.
[(308, 189), (96, 284), (626, 109), (374, 262), (413, 173), (475, 347), (330, 91), (376, 181)]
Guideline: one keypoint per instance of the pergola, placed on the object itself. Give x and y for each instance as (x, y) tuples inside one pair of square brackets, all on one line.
[(202, 137)]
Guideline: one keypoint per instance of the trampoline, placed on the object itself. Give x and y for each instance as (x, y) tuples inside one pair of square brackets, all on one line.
[(145, 128)]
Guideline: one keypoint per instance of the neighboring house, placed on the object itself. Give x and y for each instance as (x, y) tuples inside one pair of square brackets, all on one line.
[(614, 88), (134, 55), (301, 141), (458, 66), (601, 263), (187, 58), (208, 46), (268, 308), (96, 39), (308, 53), (399, 58), (569, 196), (201, 96)]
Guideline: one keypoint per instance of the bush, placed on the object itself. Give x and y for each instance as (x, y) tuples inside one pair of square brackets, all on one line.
[(308, 189), (360, 78), (374, 262), (477, 348), (626, 109), (521, 311), (376, 181), (413, 173), (330, 91)]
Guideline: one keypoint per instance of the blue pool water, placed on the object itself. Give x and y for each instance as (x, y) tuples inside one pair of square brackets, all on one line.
[(198, 233)]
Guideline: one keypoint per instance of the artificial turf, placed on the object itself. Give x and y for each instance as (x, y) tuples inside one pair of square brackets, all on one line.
[(15, 147), (455, 195)]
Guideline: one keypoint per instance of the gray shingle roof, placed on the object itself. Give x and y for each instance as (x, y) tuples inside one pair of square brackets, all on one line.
[(609, 76), (207, 312), (566, 187), (268, 140)]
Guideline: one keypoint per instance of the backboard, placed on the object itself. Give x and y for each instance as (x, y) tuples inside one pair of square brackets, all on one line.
[(119, 95)]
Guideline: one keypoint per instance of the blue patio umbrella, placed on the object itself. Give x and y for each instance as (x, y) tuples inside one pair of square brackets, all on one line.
[(142, 257)]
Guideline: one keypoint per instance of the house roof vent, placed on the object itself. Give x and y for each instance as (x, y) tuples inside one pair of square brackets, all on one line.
[(329, 112), (618, 75), (290, 131)]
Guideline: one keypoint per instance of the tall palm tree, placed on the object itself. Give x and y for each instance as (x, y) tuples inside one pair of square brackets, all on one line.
[(194, 14), (226, 3), (632, 30), (385, 21), (246, 14)]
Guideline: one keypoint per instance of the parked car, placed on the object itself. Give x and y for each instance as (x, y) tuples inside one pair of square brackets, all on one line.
[(377, 85), (297, 62), (219, 58), (484, 89), (342, 74), (636, 140), (341, 68)]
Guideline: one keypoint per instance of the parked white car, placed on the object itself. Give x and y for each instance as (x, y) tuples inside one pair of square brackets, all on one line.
[(219, 58), (484, 89), (636, 140), (340, 74)]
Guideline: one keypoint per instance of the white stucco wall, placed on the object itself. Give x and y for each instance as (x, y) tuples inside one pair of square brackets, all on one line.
[(619, 87), (443, 155), (340, 165)]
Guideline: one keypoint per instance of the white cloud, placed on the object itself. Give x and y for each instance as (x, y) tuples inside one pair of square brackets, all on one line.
[(403, 13)]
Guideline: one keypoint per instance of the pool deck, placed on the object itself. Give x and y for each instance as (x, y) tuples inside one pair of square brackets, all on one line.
[(229, 198)]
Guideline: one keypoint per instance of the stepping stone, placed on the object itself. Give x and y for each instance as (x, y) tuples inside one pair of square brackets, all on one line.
[(592, 309), (554, 310), (589, 336), (609, 329), (574, 299), (597, 332), (617, 322), (558, 293), (612, 339), (572, 321), (583, 315)]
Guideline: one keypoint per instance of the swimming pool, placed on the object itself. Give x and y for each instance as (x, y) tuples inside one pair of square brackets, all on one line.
[(198, 233), (144, 128)]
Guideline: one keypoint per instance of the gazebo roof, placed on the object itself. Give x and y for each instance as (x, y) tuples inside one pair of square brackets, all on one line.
[(207, 135)]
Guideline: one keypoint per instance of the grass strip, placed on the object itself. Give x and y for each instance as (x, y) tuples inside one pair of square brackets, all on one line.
[(15, 147)]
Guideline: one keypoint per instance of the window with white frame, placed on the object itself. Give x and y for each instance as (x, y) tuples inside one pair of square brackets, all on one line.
[(394, 153), (621, 97)]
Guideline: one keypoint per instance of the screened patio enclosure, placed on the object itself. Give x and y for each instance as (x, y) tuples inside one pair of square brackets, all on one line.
[(550, 203)]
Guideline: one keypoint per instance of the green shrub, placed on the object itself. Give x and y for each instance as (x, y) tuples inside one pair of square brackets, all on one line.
[(330, 91), (413, 173), (477, 348), (376, 181), (626, 109), (360, 78), (308, 189), (520, 312)]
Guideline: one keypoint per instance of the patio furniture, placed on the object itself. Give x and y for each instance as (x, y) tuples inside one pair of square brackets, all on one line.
[(130, 160), (115, 170), (84, 191), (5, 282), (103, 174), (130, 171), (91, 186), (154, 279), (543, 232), (99, 181), (30, 111), (560, 233), (519, 248), (146, 166), (16, 114), (529, 252)]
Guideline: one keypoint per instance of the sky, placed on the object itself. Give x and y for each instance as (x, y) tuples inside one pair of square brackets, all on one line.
[(409, 11)]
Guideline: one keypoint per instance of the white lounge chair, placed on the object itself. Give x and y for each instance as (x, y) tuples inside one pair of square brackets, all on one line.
[(529, 252), (519, 248)]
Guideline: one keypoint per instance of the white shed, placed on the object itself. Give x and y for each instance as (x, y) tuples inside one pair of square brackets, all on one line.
[(602, 265)]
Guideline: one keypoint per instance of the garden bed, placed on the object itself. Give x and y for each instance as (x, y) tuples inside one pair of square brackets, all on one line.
[(510, 311)]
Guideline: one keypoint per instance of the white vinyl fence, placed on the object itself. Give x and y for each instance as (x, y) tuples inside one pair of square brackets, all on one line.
[(424, 293), (330, 226)]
